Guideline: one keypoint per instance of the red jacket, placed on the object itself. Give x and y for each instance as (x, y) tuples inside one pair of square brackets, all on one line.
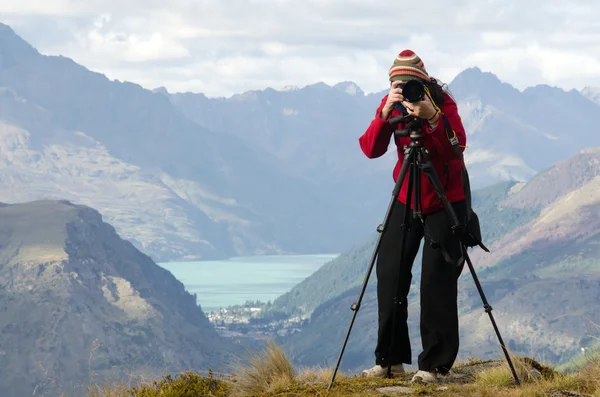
[(375, 141)]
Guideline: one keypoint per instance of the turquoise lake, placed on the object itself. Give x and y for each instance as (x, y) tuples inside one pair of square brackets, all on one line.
[(223, 283)]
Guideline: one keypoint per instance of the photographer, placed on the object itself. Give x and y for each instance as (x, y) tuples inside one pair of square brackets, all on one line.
[(439, 278)]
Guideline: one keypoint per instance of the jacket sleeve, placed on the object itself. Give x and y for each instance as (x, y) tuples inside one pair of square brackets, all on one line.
[(376, 139), (438, 137)]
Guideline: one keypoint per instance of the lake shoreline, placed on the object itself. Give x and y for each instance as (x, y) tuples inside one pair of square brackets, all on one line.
[(235, 281)]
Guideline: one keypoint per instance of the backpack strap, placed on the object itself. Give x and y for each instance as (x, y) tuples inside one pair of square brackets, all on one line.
[(456, 147), (472, 227), (472, 219)]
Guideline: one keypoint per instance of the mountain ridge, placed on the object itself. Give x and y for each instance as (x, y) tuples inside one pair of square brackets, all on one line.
[(466, 75), (486, 104)]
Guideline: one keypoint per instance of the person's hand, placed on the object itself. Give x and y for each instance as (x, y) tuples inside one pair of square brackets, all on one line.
[(424, 109), (394, 97)]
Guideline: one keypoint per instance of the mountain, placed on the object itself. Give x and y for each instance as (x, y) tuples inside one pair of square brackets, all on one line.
[(174, 188), (513, 134), (542, 277), (313, 131), (350, 88), (78, 302), (187, 177)]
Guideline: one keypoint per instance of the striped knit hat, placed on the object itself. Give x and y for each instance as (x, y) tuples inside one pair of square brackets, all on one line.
[(408, 66)]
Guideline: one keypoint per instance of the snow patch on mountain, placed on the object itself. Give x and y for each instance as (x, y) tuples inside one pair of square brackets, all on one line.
[(290, 112), (349, 88), (290, 88), (592, 93)]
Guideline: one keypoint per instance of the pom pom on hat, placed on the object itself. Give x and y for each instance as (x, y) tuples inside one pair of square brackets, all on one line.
[(408, 66)]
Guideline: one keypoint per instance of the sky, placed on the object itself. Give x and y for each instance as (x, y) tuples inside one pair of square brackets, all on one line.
[(221, 47)]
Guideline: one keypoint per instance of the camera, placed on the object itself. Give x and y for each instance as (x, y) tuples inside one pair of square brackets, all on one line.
[(413, 91)]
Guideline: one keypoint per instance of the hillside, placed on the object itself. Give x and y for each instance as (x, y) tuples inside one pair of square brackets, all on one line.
[(542, 277), (566, 232), (348, 269), (80, 304)]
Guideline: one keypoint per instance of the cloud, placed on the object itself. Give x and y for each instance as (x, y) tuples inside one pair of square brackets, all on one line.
[(221, 48), (129, 47)]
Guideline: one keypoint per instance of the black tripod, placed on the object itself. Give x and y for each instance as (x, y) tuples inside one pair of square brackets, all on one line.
[(417, 158)]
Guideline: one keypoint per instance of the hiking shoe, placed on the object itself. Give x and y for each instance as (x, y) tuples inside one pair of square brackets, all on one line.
[(381, 372), (424, 377)]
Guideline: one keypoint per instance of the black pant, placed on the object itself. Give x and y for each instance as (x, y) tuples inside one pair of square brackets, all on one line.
[(439, 284)]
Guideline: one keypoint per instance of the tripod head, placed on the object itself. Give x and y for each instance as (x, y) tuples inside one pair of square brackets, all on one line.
[(412, 129)]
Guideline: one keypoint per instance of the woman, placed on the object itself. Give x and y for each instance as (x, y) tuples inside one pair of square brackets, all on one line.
[(439, 278)]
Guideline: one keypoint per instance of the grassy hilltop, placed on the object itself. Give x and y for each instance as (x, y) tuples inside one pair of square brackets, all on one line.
[(271, 373)]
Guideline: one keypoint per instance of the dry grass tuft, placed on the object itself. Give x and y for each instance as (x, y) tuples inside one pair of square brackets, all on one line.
[(536, 380), (266, 372), (527, 369), (591, 372), (318, 375)]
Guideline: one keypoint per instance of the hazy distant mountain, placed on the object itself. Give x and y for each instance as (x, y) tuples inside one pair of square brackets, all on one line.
[(78, 302), (512, 135), (313, 130), (542, 277), (174, 188)]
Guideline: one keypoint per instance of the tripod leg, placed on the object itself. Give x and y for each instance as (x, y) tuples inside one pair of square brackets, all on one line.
[(488, 310), (408, 156), (399, 296), (416, 175), (435, 181)]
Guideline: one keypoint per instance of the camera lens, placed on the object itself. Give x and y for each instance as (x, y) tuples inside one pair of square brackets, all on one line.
[(413, 91)]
